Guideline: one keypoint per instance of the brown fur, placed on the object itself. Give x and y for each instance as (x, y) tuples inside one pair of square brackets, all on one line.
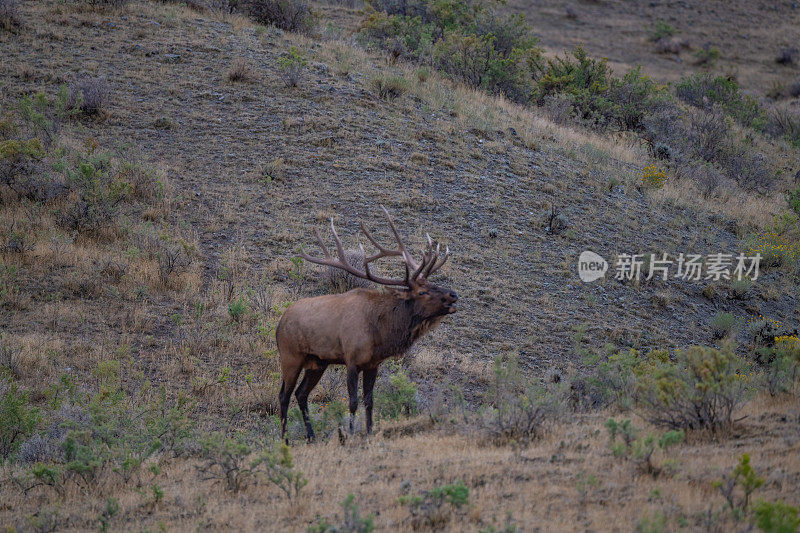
[(359, 329)]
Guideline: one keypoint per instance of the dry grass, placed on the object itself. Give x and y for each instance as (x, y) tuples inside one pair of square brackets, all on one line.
[(577, 482), (241, 71), (749, 210)]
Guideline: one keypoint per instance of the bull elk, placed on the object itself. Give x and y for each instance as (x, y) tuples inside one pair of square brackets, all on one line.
[(359, 328)]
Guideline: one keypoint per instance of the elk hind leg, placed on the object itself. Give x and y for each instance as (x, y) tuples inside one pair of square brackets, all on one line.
[(285, 396), (310, 380)]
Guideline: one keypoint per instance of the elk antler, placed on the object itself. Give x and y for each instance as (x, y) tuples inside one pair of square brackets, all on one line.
[(431, 262)]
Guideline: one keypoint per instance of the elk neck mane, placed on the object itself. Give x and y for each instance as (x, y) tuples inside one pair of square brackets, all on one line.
[(399, 323)]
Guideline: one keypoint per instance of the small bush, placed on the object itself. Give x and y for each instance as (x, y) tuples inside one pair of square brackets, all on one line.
[(793, 200), (584, 81), (662, 29), (707, 55), (226, 460), (640, 449), (707, 134), (240, 71), (740, 288), (289, 15), (636, 96), (517, 412), (738, 486), (277, 466), (389, 87), (784, 122), (10, 19), (670, 45), (291, 65), (397, 398), (17, 418), (787, 56), (776, 517), (780, 354), (433, 508), (776, 248), (696, 90), (351, 521), (699, 390), (652, 177), (89, 95), (722, 325), (794, 88), (237, 308)]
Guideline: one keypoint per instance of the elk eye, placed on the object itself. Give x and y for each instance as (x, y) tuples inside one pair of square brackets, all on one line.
[(423, 293)]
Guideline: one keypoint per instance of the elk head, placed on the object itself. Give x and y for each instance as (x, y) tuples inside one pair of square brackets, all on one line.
[(429, 300)]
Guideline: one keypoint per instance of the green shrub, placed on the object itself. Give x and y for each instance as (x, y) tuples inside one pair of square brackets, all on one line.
[(351, 521), (699, 390), (469, 41), (722, 325), (724, 91), (597, 97), (407, 37), (456, 494), (94, 438), (291, 65), (476, 60), (17, 418), (397, 398), (776, 517), (517, 412), (740, 288), (277, 466), (238, 307), (738, 486), (584, 81), (793, 200), (782, 370), (638, 449), (432, 509), (636, 96), (662, 29), (227, 460), (707, 55), (615, 378)]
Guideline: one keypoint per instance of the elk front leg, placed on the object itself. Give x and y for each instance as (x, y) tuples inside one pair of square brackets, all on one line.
[(352, 391), (369, 384)]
